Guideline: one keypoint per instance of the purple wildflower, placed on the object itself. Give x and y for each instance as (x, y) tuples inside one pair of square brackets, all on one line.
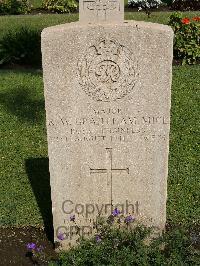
[(72, 218), (61, 236), (98, 238), (40, 248), (116, 212), (31, 246), (129, 219)]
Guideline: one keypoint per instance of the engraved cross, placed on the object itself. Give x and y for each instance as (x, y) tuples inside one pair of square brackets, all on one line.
[(109, 170)]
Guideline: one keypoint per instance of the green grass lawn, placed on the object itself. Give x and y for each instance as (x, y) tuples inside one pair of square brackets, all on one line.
[(42, 21), (24, 186), (24, 138), (183, 182)]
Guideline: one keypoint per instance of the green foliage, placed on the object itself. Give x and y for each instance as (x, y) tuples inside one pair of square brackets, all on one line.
[(186, 5), (35, 4), (168, 2), (14, 7), (132, 246), (118, 247), (21, 47), (60, 6), (187, 38)]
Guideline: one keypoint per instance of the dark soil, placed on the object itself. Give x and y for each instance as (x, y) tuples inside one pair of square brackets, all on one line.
[(13, 249)]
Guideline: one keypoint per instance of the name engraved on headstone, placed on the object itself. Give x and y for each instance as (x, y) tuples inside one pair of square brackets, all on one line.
[(106, 125)]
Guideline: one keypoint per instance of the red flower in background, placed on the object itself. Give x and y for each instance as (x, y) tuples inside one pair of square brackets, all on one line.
[(185, 20), (196, 19)]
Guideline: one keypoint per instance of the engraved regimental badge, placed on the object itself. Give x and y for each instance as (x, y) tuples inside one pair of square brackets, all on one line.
[(107, 71)]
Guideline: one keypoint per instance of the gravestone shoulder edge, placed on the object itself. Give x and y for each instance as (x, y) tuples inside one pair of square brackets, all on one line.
[(128, 23)]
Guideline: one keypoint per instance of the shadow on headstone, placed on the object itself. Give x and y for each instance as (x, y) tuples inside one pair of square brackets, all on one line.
[(38, 172)]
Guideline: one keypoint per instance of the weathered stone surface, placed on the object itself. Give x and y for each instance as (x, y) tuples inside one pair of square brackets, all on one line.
[(101, 10), (107, 96)]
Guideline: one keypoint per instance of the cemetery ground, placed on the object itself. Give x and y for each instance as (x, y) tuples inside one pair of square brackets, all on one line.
[(25, 209), (25, 191), (41, 21)]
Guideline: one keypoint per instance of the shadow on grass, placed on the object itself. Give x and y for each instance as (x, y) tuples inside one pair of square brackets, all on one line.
[(38, 173), (21, 102)]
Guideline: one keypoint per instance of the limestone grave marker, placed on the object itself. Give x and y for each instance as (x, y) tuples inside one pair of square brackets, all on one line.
[(107, 98), (101, 10)]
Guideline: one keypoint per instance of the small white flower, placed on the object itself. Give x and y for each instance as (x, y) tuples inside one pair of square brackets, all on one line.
[(145, 3)]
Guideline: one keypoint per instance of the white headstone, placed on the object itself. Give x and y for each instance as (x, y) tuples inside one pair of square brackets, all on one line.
[(101, 10), (107, 96)]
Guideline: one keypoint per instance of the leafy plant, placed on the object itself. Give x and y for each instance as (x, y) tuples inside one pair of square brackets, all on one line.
[(22, 46), (60, 6), (186, 4), (121, 240), (168, 2), (132, 245), (187, 38), (14, 7)]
